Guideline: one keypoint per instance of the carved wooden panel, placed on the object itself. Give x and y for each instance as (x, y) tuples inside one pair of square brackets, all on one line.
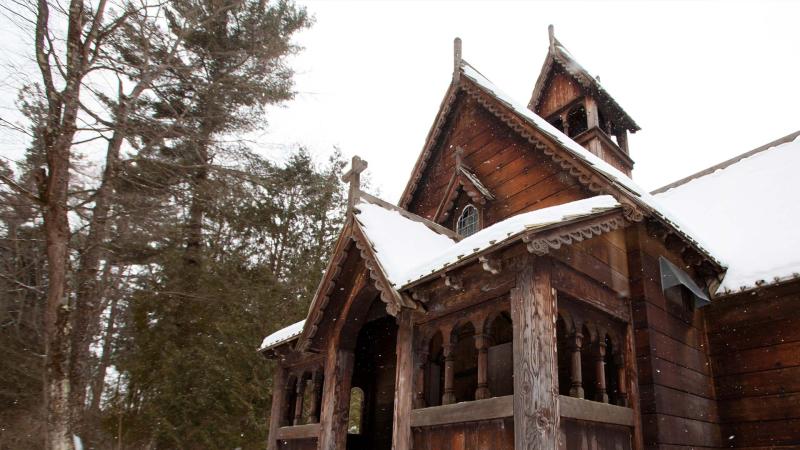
[(533, 311)]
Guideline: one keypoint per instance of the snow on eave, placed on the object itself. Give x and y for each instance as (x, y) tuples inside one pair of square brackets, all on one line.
[(505, 232), (611, 174), (282, 336), (756, 192)]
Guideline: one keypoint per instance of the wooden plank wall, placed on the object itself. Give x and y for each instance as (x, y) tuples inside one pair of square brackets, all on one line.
[(581, 435), (485, 435), (675, 379), (521, 178), (560, 91), (755, 348)]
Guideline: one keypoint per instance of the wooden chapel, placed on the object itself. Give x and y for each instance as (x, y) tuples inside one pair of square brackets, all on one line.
[(524, 293)]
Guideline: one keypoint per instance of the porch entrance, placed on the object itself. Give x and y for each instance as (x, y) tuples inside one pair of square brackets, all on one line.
[(369, 424)]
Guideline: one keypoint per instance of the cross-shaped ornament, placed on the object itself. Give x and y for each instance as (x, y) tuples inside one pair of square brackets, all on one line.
[(353, 177)]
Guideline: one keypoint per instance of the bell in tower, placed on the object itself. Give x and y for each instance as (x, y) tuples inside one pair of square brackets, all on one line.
[(573, 101)]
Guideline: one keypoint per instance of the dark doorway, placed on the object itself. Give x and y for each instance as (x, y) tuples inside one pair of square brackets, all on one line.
[(371, 409)]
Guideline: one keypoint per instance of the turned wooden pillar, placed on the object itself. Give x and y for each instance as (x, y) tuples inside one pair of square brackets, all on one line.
[(300, 391), (482, 342), (600, 366), (449, 395), (419, 382), (278, 409), (533, 312), (622, 382), (404, 382), (576, 376), (287, 416), (317, 396)]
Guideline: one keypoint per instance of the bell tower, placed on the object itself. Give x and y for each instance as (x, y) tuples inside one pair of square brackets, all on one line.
[(573, 101)]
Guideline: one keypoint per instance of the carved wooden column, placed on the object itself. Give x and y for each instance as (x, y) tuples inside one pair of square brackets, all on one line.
[(317, 396), (278, 407), (533, 310), (298, 399), (565, 122), (482, 342), (404, 382), (600, 374), (335, 399), (622, 383), (576, 376), (449, 395), (419, 383)]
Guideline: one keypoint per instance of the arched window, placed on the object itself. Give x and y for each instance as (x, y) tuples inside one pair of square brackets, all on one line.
[(467, 222), (355, 417)]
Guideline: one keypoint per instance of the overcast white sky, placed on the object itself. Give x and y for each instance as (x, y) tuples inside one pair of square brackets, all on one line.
[(705, 81)]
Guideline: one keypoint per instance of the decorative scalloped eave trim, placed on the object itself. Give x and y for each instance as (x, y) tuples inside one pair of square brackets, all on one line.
[(388, 294), (541, 245)]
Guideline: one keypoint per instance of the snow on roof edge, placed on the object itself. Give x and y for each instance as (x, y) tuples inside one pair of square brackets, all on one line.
[(282, 336)]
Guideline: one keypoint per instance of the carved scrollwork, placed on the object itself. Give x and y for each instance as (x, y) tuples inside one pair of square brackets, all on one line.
[(632, 213)]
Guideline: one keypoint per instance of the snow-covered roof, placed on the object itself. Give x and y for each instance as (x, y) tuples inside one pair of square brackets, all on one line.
[(281, 336), (615, 176), (408, 250), (749, 213), (398, 241)]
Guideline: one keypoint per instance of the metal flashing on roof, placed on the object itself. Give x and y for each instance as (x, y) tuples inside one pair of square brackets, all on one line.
[(672, 275)]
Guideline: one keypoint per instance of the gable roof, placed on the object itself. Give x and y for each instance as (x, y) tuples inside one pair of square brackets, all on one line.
[(591, 171), (462, 179), (559, 56), (433, 252), (757, 192)]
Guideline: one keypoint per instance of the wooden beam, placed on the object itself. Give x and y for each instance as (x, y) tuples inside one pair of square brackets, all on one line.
[(579, 409), (404, 382), (307, 431), (533, 312), (276, 412), (336, 399), (489, 409)]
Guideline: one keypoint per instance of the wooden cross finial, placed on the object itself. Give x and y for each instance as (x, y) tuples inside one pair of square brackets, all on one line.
[(456, 58), (551, 34), (353, 177)]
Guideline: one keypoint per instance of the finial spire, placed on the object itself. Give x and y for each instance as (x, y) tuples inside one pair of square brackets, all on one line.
[(353, 176), (456, 58), (551, 34)]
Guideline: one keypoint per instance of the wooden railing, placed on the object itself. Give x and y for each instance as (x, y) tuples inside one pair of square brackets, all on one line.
[(503, 407)]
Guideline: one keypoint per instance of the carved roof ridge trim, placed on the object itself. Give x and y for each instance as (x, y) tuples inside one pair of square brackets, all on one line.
[(322, 295)]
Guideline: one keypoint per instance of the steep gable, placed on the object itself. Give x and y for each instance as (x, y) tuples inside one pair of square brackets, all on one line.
[(520, 177)]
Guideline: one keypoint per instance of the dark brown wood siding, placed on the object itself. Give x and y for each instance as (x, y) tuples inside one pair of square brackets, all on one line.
[(675, 380), (755, 348), (487, 435), (520, 178)]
